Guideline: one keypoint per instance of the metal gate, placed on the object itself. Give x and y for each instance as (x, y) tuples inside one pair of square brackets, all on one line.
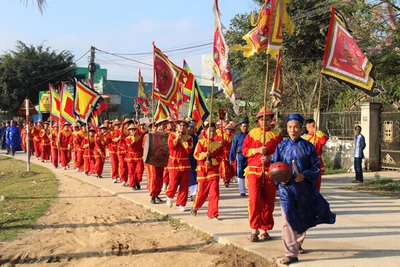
[(390, 140)]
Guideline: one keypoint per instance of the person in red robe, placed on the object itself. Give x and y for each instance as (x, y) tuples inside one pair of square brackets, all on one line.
[(318, 139), (35, 132), (100, 151), (44, 136), (88, 146), (180, 145), (227, 170), (262, 189), (122, 150), (113, 141), (208, 153), (170, 128), (80, 136), (134, 156), (154, 174), (54, 145), (65, 145)]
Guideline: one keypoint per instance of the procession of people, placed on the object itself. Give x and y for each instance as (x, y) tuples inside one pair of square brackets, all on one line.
[(195, 166)]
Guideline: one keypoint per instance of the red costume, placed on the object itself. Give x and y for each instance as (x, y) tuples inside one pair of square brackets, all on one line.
[(88, 146), (122, 150), (261, 198), (35, 133), (100, 153), (134, 158), (54, 147), (154, 177), (79, 160), (179, 167), (113, 140), (45, 144), (227, 170), (319, 141), (208, 177), (65, 145)]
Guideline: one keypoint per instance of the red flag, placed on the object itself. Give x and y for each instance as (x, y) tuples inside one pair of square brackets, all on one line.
[(345, 62), (168, 78), (221, 65)]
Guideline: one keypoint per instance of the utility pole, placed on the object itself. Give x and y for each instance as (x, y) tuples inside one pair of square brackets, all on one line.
[(92, 65)]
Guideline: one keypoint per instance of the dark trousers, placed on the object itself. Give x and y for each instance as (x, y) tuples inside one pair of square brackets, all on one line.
[(358, 169)]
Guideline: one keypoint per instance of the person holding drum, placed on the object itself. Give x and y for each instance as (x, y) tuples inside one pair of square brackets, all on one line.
[(208, 153), (154, 174), (302, 205), (180, 145), (237, 155), (262, 189)]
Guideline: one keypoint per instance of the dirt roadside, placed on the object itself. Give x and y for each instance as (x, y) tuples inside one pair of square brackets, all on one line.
[(88, 226)]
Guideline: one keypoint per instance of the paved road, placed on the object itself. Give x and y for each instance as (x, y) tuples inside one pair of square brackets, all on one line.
[(366, 233)]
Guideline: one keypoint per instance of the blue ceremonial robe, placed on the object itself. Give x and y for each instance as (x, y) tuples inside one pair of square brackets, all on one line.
[(193, 162), (303, 205), (241, 161)]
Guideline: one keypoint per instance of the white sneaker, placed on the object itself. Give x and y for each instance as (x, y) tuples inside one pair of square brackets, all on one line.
[(115, 181), (181, 208), (77, 170), (124, 184), (64, 168), (164, 187), (169, 202)]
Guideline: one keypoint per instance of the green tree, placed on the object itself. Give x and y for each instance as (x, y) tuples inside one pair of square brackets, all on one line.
[(28, 69)]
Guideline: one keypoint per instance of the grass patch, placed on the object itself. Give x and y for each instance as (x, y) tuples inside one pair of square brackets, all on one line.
[(27, 196), (383, 187)]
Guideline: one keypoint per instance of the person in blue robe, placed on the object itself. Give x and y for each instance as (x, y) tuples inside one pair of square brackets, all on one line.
[(237, 155), (3, 136), (302, 205), (193, 163), (13, 138)]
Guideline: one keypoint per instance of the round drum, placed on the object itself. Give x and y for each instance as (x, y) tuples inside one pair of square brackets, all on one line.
[(280, 172), (156, 151)]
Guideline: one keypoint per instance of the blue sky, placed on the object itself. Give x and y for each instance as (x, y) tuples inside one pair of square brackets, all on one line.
[(119, 26)]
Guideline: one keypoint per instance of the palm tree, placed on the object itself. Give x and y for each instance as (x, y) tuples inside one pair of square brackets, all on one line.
[(41, 4)]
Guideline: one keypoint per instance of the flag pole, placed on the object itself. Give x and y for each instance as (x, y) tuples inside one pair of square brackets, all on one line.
[(264, 114), (318, 107), (153, 85), (211, 112)]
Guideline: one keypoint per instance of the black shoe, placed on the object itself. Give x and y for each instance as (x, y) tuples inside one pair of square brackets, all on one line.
[(137, 186), (153, 200), (243, 195), (192, 198), (354, 181), (226, 184), (158, 200), (99, 176)]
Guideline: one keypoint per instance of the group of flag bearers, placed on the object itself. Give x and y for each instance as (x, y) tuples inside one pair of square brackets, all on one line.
[(199, 162)]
